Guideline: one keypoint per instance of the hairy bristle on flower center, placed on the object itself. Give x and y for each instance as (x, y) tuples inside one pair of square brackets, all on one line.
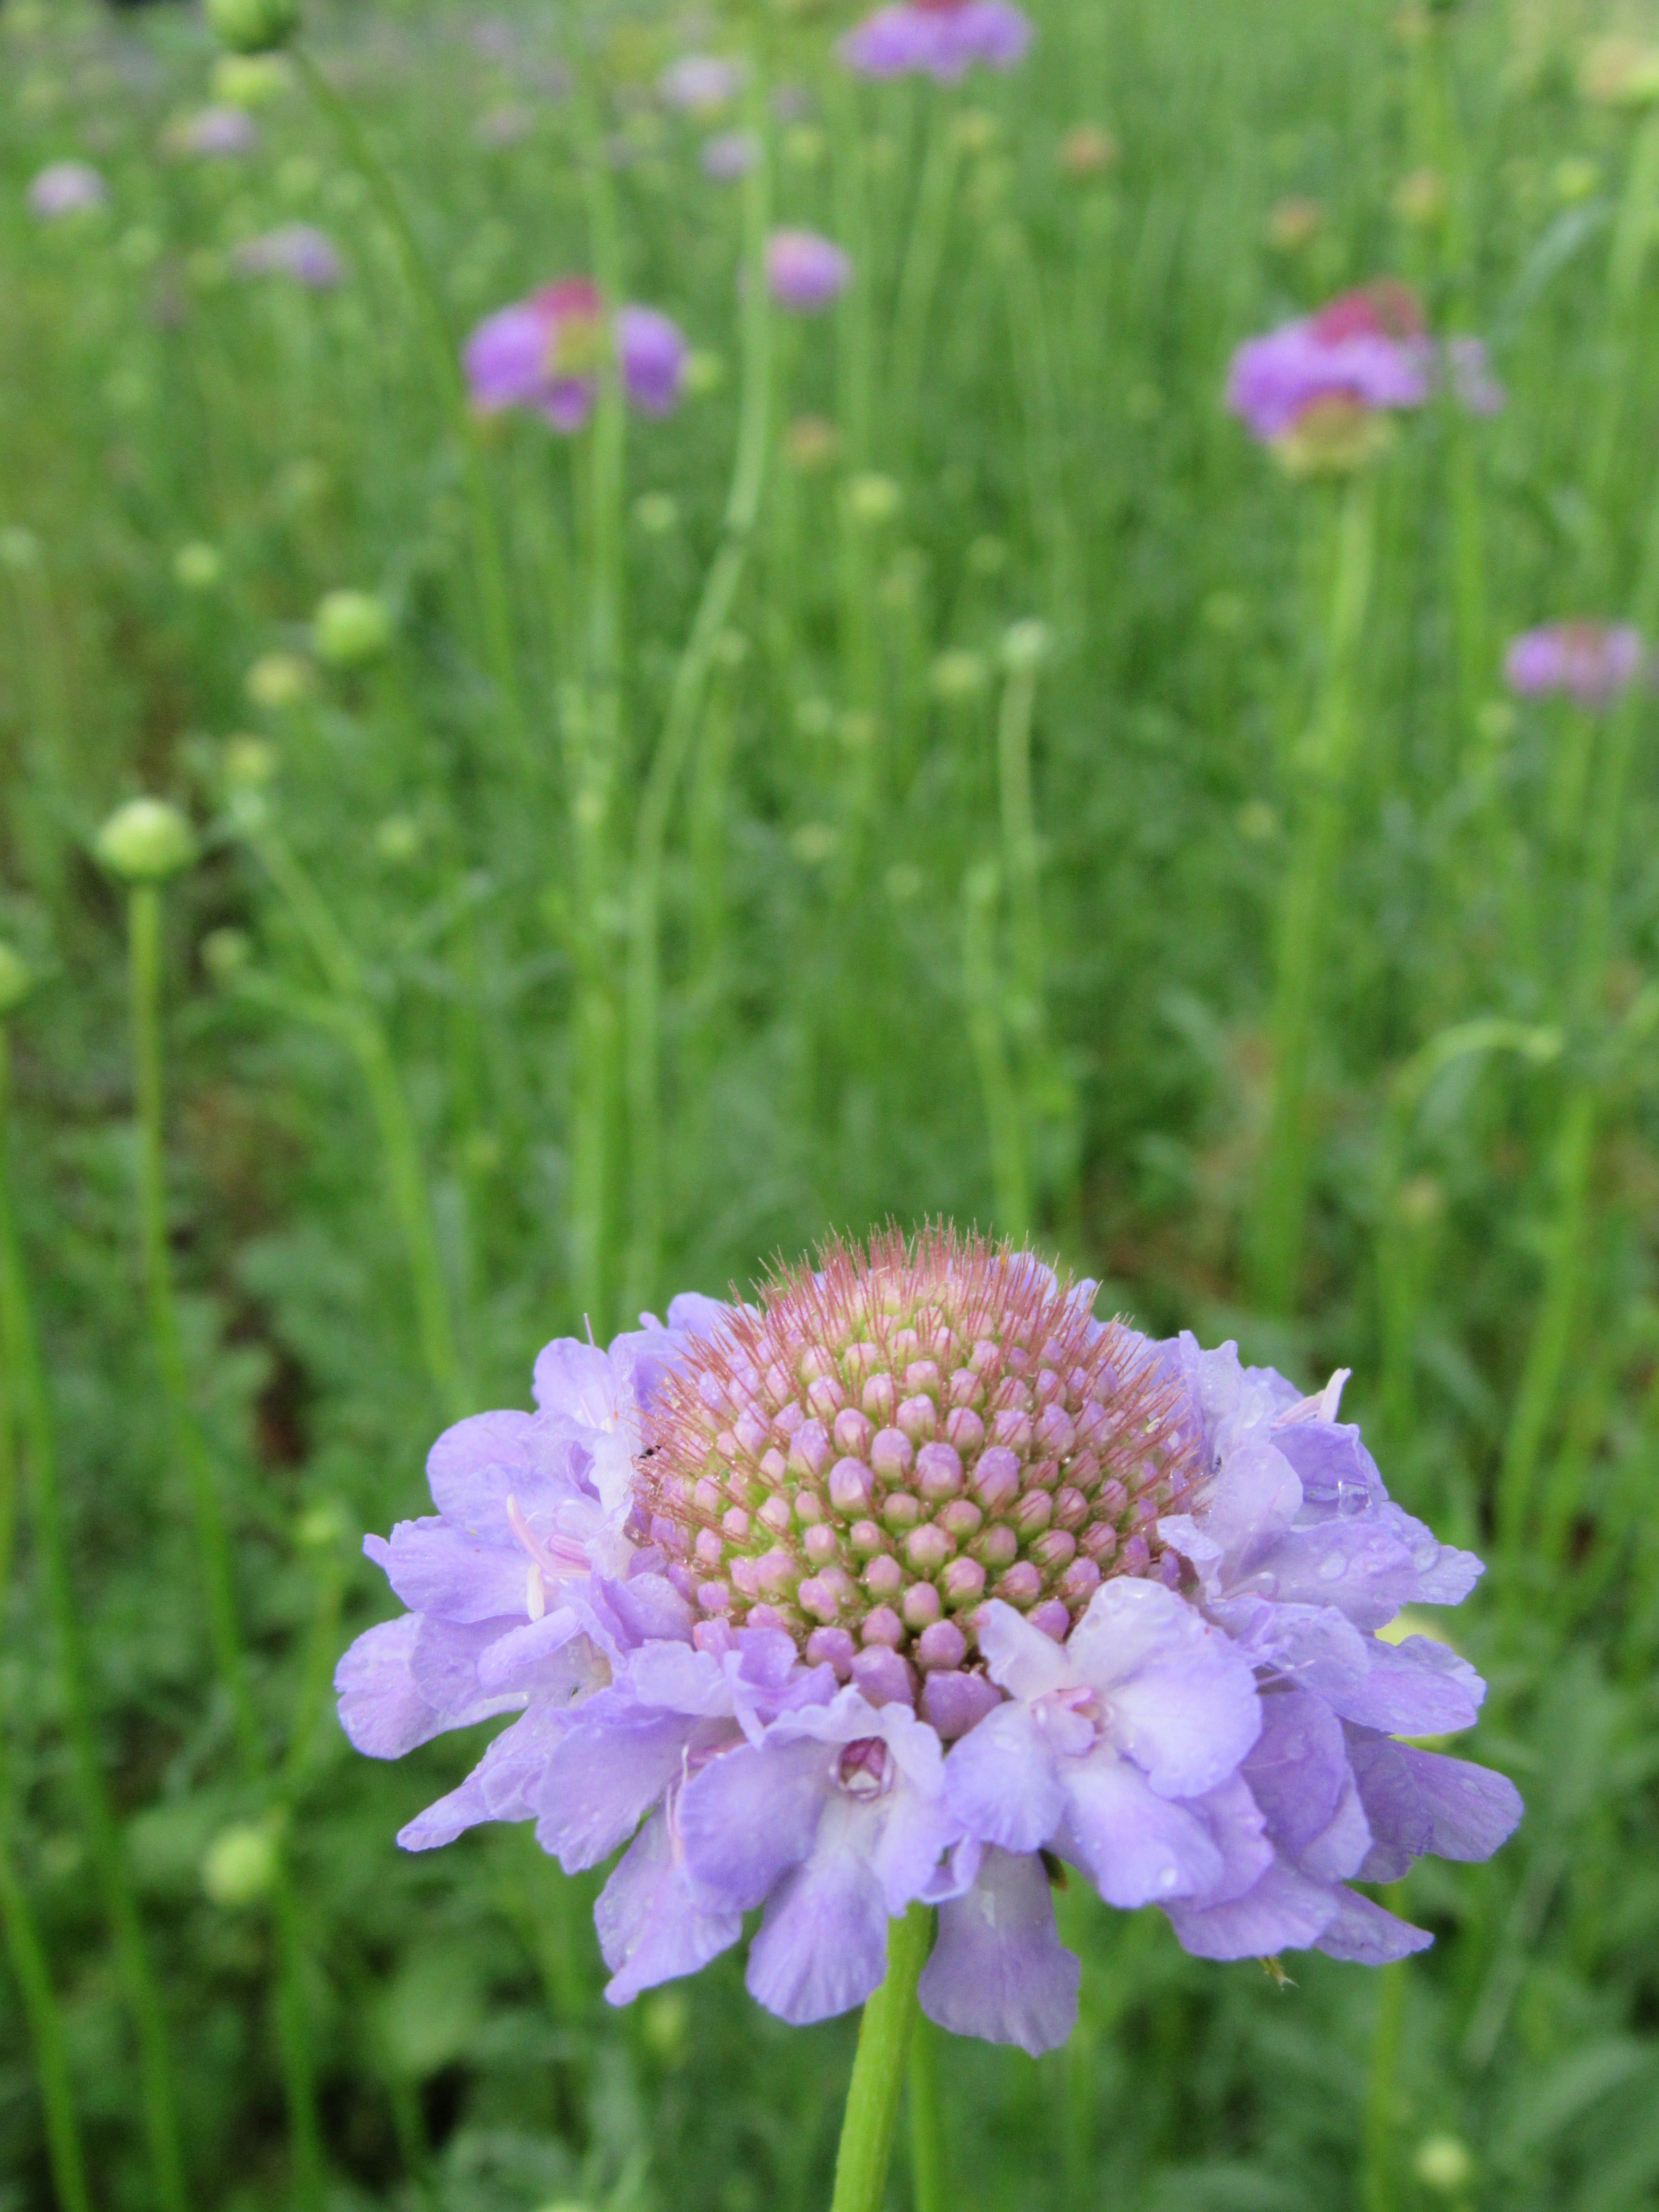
[(889, 1441)]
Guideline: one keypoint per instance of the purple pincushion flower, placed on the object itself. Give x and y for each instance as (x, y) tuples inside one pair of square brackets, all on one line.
[(804, 271), (729, 156), (903, 1584), (218, 132), (545, 353), (294, 249), (65, 188), (1592, 662), (938, 38)]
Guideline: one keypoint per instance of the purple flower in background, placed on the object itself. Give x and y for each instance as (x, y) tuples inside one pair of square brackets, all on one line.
[(903, 1584), (804, 271), (732, 155), (1315, 388), (939, 37), (545, 353), (1472, 378), (218, 132), (1592, 662), (701, 84), (66, 188), (294, 249)]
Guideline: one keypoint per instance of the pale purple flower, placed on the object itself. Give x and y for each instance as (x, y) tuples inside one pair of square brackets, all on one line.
[(700, 84), (218, 132), (298, 250), (1472, 378), (938, 38), (1591, 661), (64, 188), (902, 1585), (730, 155), (1366, 351), (804, 271), (545, 353)]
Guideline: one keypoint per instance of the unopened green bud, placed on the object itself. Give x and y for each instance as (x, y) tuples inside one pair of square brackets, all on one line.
[(657, 512), (197, 567), (321, 1528), (251, 79), (253, 27), (1443, 2165), (873, 499), (350, 628), (146, 841), (704, 373), (239, 1865), (249, 762), (1025, 646), (226, 953), (958, 675), (399, 838), (278, 680), (15, 977)]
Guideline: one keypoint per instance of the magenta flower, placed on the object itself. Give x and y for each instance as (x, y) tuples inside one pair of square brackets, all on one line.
[(66, 188), (545, 353), (904, 1583), (218, 132), (294, 249), (804, 271), (938, 38), (1592, 662)]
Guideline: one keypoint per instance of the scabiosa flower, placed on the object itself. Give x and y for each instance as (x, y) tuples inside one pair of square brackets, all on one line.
[(1316, 389), (64, 188), (701, 84), (545, 353), (804, 271), (902, 1585), (1591, 661), (298, 250), (938, 38)]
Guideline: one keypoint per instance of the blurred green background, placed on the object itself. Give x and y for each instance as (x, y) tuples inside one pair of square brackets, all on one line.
[(972, 873)]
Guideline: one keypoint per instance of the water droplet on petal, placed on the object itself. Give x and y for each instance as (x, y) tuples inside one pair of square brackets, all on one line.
[(1332, 1567)]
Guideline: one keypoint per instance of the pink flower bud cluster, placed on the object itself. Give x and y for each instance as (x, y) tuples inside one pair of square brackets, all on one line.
[(889, 1442)]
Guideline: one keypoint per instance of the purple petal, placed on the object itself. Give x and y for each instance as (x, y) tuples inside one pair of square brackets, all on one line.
[(447, 1818), (575, 1380), (823, 1944), (476, 1462), (999, 1969), (1025, 1662), (381, 1708), (679, 1680), (752, 1813), (1369, 1936), (445, 1663), (645, 1609), (614, 1762), (1002, 1784), (1181, 1698), (1421, 1800), (653, 1924), (652, 355), (1285, 1911), (1137, 1848), (534, 1656), (1416, 1687), (954, 1702), (436, 1569)]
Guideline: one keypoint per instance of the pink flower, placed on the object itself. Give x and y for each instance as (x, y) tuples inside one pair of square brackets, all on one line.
[(938, 38), (1591, 661)]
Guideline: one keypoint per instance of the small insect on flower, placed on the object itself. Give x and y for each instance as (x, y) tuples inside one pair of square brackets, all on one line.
[(1591, 661), (937, 38), (913, 1581), (804, 271), (66, 188), (546, 353)]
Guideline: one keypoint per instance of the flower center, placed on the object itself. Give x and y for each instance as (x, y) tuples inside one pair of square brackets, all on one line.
[(886, 1442), (864, 1768)]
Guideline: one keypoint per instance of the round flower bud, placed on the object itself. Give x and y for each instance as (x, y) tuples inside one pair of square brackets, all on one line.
[(249, 762), (278, 680), (226, 953), (1025, 646), (146, 841), (197, 567), (1443, 2165), (350, 628), (872, 500), (253, 27), (239, 1865), (16, 978)]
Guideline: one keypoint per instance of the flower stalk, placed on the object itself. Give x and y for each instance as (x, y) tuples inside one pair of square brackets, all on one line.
[(878, 2067)]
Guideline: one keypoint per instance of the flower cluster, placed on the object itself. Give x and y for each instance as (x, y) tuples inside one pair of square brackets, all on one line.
[(937, 38), (546, 353), (1591, 661), (909, 1583), (1318, 390)]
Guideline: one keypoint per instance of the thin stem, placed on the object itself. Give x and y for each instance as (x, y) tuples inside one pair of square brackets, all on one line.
[(854, 396), (212, 1538), (929, 2177), (1381, 2089), (1034, 372), (878, 2067), (919, 279), (1305, 914), (685, 705), (1005, 1123), (139, 1987), (490, 566), (1019, 838)]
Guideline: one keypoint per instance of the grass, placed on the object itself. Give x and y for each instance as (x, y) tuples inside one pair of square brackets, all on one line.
[(927, 774)]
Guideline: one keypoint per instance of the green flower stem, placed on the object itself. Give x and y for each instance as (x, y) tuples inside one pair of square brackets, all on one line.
[(1382, 2087), (490, 566), (919, 279), (879, 2068), (212, 1538), (1035, 379), (1304, 913), (1019, 838), (986, 1032), (140, 1990), (1632, 240), (929, 2179), (854, 396), (351, 1013), (1557, 1320), (685, 706)]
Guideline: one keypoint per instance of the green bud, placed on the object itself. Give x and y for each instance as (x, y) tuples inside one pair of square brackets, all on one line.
[(249, 763), (239, 1865), (958, 675), (656, 512), (873, 499), (1025, 646), (16, 978), (146, 841), (1443, 2165), (321, 1528), (251, 79), (226, 953), (197, 567), (253, 27), (399, 838), (350, 628), (278, 680)]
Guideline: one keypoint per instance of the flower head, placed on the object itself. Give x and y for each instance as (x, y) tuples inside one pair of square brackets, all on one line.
[(298, 250), (902, 1583), (66, 188), (804, 271), (1315, 388), (546, 353), (1591, 661), (701, 84), (938, 38), (729, 154), (214, 131)]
